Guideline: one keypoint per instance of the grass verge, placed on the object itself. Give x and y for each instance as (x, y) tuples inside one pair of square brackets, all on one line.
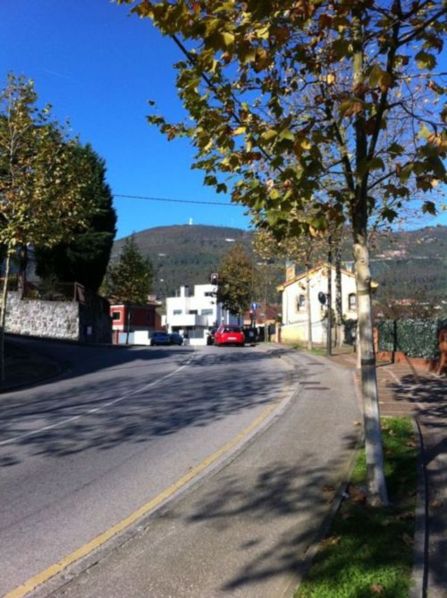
[(369, 551), (322, 350), (316, 349)]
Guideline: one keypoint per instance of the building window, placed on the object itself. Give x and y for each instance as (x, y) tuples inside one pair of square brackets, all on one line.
[(209, 294), (352, 302), (300, 302), (193, 312), (206, 312), (116, 315), (177, 312)]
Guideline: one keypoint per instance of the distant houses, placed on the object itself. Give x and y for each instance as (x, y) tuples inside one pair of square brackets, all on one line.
[(295, 309), (194, 312), (134, 324)]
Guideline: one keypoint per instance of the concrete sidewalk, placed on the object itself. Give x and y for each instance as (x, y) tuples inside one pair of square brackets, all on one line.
[(247, 529), (406, 390)]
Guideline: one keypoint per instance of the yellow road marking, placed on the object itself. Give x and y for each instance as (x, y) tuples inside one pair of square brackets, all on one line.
[(42, 577)]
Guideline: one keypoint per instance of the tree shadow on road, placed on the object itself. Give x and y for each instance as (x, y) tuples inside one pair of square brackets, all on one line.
[(428, 394), (293, 494), (100, 415), (276, 512)]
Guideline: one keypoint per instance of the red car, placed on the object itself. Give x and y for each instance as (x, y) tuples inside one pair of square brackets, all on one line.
[(228, 334)]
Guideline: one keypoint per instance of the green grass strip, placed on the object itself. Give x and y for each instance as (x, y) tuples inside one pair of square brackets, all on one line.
[(369, 551), (316, 349)]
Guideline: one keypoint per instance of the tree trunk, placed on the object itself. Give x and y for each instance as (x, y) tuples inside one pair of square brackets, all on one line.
[(309, 310), (358, 352), (373, 437), (359, 215), (329, 299), (4, 300), (23, 263), (338, 295)]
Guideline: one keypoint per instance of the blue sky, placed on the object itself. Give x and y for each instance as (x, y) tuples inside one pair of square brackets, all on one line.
[(98, 66)]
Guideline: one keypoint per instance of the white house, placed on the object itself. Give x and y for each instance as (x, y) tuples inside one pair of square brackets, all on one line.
[(194, 312), (294, 297)]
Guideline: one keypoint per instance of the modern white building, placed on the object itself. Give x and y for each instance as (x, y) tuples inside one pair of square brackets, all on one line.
[(194, 312), (294, 302)]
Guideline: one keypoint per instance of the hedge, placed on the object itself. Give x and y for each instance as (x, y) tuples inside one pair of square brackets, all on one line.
[(415, 338)]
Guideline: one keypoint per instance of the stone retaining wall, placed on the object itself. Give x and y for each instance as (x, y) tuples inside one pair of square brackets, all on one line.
[(66, 320)]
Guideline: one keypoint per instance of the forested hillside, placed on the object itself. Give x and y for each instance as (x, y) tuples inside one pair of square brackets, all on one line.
[(406, 264), (412, 264), (185, 254)]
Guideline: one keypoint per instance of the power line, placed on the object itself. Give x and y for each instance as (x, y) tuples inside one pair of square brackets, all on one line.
[(168, 199)]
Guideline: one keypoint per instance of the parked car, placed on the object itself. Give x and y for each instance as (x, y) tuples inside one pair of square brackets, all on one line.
[(210, 337), (160, 338), (228, 334), (251, 334), (176, 338)]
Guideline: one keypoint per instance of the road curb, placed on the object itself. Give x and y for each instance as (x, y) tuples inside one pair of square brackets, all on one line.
[(419, 576), (312, 551), (420, 569)]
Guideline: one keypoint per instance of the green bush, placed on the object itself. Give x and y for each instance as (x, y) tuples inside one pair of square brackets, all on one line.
[(387, 335), (415, 338)]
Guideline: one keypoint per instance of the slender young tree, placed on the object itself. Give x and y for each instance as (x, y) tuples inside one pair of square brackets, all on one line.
[(235, 282), (41, 180), (338, 292), (342, 100)]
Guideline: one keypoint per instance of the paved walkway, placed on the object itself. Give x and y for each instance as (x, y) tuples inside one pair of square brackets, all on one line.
[(406, 390)]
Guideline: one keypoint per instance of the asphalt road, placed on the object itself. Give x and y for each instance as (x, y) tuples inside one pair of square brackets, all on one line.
[(247, 529), (81, 453)]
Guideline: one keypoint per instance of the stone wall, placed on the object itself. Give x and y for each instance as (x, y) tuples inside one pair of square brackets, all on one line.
[(67, 320)]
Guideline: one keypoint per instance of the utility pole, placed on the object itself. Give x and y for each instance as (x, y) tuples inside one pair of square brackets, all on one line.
[(128, 323)]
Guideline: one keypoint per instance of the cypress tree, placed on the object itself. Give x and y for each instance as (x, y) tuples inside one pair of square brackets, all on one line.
[(85, 258)]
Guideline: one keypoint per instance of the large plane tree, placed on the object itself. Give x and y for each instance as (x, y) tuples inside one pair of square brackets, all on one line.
[(41, 180), (333, 104)]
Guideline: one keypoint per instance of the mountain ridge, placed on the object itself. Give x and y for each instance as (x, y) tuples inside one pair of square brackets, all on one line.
[(403, 262)]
